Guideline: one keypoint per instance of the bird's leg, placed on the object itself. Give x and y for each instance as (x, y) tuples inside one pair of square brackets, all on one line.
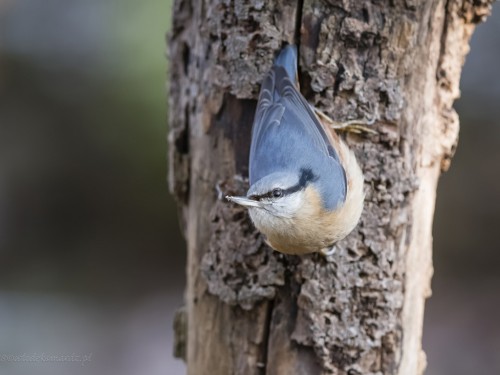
[(357, 126), (327, 251), (218, 189)]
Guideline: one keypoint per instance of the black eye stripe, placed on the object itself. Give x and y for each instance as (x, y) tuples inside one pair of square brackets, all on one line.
[(306, 176), (266, 195)]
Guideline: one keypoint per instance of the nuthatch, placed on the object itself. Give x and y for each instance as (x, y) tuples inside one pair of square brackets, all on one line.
[(306, 187)]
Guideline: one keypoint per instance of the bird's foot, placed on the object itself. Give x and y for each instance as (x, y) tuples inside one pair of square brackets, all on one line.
[(356, 126)]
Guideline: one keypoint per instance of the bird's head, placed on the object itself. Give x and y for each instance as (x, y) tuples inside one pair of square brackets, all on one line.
[(280, 195)]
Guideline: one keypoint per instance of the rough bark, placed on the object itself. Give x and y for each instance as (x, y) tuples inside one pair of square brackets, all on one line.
[(251, 310)]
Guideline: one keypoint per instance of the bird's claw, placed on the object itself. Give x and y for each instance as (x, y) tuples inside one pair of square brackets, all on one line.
[(326, 252), (356, 126)]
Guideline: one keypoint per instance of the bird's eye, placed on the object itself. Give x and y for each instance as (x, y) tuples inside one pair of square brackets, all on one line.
[(277, 193)]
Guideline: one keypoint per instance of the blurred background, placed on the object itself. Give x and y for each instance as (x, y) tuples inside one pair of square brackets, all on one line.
[(91, 258)]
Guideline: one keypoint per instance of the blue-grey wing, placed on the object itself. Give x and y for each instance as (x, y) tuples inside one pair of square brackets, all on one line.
[(287, 136)]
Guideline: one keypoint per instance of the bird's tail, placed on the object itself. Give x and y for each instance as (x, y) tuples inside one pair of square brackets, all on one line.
[(287, 58)]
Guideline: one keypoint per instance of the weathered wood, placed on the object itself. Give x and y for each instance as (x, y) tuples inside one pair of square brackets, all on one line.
[(254, 311)]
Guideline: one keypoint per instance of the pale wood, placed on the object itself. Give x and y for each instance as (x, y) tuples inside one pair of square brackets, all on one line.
[(254, 311)]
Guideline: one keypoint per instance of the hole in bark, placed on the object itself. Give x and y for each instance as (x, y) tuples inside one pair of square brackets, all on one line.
[(181, 142), (384, 98), (366, 15), (339, 77), (352, 253), (305, 85), (186, 57)]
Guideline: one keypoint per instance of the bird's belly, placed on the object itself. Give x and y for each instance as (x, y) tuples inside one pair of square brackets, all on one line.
[(289, 237)]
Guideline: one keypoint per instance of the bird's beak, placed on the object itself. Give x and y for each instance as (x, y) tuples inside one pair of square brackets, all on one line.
[(244, 201)]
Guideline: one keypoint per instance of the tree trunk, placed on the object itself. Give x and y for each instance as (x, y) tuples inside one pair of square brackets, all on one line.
[(251, 310)]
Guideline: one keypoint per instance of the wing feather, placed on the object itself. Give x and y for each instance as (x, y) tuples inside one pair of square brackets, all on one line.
[(287, 136)]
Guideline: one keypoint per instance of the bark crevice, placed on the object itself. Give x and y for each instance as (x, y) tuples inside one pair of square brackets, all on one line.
[(265, 341)]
